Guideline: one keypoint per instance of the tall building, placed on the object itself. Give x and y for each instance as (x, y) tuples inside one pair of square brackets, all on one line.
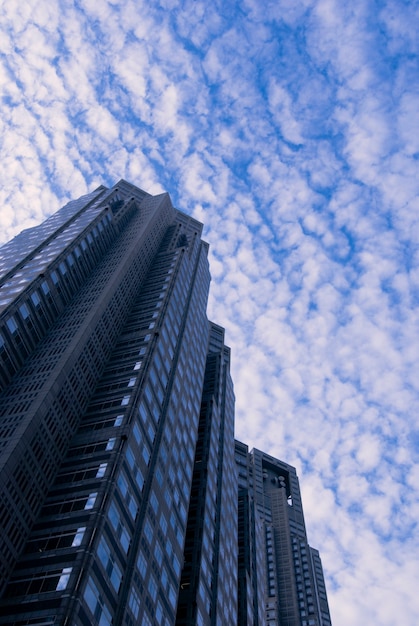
[(273, 540), (119, 498), (208, 586)]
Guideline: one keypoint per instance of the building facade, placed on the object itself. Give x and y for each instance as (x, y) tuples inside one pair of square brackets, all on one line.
[(278, 570), (208, 589), (119, 497)]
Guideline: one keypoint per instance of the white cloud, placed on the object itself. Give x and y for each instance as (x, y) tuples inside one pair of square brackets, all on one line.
[(281, 108), (408, 123)]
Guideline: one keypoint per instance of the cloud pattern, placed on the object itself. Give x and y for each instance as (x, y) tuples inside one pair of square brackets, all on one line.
[(291, 129)]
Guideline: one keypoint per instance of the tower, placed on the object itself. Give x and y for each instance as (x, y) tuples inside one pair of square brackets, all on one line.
[(124, 498), (208, 590), (273, 546), (104, 338)]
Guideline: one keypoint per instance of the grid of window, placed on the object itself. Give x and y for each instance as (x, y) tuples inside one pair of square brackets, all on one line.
[(213, 502), (137, 438), (119, 526), (14, 252), (109, 562), (21, 498), (163, 368), (48, 296)]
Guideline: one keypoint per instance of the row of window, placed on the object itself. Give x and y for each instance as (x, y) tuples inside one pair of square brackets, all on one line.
[(23, 329), (130, 480), (147, 418), (39, 582), (70, 538), (14, 252), (119, 527)]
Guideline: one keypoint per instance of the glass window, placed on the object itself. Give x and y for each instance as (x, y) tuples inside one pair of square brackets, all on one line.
[(152, 587), (154, 502), (163, 524), (158, 553), (11, 324), (123, 485), (78, 537), (132, 506), (172, 596), (142, 564), (137, 433), (55, 278), (113, 515), (24, 311), (176, 565), (110, 566), (139, 478), (148, 531), (164, 577), (151, 432), (119, 526), (146, 454), (111, 443), (136, 472), (134, 602), (96, 604), (127, 495), (35, 299), (118, 420), (130, 457), (63, 580), (169, 548), (101, 470), (90, 501), (142, 410)]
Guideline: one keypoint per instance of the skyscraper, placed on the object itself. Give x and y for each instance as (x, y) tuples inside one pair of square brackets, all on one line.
[(208, 589), (273, 539), (118, 483)]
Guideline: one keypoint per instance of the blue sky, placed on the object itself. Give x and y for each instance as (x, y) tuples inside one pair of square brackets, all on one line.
[(291, 129)]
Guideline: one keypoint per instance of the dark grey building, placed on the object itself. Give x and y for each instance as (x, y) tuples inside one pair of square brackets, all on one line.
[(208, 589), (104, 338), (118, 479), (278, 570)]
